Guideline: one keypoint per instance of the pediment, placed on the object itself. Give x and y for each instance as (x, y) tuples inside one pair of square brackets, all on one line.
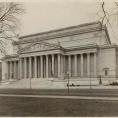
[(42, 46)]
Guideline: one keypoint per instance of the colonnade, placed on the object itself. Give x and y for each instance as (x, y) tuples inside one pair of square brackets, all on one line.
[(39, 67), (53, 65), (13, 70)]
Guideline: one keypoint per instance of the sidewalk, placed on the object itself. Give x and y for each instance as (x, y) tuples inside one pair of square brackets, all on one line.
[(62, 97), (51, 87), (96, 87)]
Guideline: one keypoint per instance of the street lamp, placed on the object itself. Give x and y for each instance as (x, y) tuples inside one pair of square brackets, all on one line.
[(68, 82), (90, 81), (30, 83)]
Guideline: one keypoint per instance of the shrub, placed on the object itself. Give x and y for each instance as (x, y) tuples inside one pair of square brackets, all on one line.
[(114, 83)]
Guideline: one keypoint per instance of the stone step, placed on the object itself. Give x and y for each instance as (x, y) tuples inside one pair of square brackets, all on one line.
[(48, 83)]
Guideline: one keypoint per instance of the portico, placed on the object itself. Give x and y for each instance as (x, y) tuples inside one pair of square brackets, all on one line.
[(53, 66)]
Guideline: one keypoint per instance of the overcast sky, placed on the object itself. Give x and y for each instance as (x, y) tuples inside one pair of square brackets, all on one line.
[(46, 15)]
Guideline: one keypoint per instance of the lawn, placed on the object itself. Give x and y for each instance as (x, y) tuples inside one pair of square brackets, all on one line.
[(14, 106), (75, 92)]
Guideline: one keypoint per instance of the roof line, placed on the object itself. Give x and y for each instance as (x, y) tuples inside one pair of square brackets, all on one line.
[(61, 29)]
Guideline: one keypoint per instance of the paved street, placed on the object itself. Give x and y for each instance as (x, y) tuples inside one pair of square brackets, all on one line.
[(84, 102), (36, 106)]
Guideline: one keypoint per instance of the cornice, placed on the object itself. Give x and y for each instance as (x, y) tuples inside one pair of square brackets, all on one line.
[(90, 46), (113, 45), (83, 47), (10, 56)]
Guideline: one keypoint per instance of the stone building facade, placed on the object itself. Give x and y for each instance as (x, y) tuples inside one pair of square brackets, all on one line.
[(81, 51)]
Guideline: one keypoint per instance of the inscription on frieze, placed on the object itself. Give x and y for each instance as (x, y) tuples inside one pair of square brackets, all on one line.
[(38, 47)]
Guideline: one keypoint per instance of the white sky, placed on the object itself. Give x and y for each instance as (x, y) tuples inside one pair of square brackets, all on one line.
[(45, 15)]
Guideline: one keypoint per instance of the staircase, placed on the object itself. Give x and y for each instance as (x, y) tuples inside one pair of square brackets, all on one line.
[(47, 83)]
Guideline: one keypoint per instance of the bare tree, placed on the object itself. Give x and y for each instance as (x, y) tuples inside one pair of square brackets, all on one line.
[(9, 20), (106, 15)]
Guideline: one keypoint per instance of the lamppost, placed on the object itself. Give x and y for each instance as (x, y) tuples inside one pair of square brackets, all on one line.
[(100, 51), (30, 83), (90, 81), (68, 82)]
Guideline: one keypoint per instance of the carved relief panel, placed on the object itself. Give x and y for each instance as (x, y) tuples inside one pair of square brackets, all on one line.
[(37, 47)]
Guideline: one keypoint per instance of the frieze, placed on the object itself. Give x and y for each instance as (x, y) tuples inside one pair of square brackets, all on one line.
[(38, 47)]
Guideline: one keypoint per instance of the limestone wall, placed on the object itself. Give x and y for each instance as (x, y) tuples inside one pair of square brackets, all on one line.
[(106, 59)]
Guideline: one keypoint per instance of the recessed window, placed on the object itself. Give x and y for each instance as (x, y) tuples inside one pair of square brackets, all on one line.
[(106, 71)]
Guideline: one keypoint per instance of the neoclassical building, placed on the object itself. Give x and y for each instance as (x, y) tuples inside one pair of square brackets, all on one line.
[(82, 51)]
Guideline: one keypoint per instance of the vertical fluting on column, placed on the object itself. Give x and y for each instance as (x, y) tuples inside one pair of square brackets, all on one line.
[(95, 68), (15, 69), (35, 66), (8, 74), (25, 67), (47, 64), (30, 67), (20, 68), (10, 69), (88, 64), (41, 59), (75, 64), (64, 69), (39, 66), (81, 65), (69, 63), (37, 61), (52, 65), (59, 65)]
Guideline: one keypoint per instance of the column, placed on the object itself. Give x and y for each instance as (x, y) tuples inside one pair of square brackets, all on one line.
[(88, 64), (95, 68), (69, 64), (41, 59), (47, 72), (35, 66), (20, 68), (30, 67), (25, 67), (39, 67), (64, 70), (75, 65), (59, 65), (10, 69), (62, 66), (53, 65), (15, 69), (81, 64)]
